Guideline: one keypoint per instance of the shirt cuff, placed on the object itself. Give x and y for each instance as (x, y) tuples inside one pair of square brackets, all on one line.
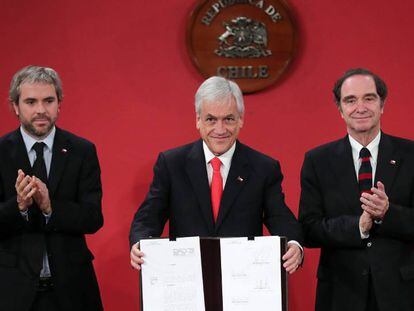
[(25, 214), (47, 216), (300, 246), (363, 234)]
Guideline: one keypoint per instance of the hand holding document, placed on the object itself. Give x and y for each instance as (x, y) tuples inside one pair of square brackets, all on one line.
[(250, 271), (226, 274), (171, 275)]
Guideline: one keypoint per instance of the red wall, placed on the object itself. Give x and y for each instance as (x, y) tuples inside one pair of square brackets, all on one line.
[(129, 87)]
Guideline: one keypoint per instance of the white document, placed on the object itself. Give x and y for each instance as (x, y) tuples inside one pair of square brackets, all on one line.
[(250, 271), (171, 275)]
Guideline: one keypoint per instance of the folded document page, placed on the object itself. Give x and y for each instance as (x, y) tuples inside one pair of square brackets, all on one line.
[(213, 274), (250, 272), (171, 275)]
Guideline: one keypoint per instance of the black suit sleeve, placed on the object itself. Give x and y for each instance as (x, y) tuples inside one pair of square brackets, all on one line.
[(321, 229), (82, 214), (398, 178), (10, 218), (398, 222), (150, 218), (278, 218)]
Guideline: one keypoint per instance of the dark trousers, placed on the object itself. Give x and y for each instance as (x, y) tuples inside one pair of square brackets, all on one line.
[(45, 299), (372, 299)]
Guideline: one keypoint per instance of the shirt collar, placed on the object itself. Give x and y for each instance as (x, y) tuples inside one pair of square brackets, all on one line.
[(29, 141), (225, 158), (372, 146)]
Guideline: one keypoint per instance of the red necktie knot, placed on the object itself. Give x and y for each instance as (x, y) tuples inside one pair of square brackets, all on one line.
[(216, 164)]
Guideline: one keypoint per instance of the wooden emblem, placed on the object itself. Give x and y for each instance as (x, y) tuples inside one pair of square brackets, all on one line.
[(251, 42)]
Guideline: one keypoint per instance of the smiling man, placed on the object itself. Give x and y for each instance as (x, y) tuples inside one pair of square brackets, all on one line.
[(357, 205), (216, 186), (50, 197)]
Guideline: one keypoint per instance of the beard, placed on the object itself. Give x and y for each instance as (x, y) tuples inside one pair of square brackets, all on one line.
[(38, 132)]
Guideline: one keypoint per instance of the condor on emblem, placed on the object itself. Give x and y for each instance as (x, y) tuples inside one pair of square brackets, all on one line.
[(243, 38), (249, 41)]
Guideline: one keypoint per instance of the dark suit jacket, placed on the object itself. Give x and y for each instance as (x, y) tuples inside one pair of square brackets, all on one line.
[(330, 211), (75, 191), (180, 192)]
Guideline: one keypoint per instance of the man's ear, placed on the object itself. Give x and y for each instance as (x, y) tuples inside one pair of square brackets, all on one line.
[(198, 120), (340, 111), (16, 109)]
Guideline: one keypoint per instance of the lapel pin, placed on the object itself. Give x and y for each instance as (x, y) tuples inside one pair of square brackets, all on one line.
[(393, 162), (240, 179), (64, 150)]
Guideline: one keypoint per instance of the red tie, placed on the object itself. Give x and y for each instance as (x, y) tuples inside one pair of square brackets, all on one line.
[(216, 186)]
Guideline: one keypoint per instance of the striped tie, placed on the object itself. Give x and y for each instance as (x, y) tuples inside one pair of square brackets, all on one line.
[(365, 171)]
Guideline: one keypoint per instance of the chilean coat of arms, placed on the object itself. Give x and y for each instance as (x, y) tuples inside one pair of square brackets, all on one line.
[(249, 41), (243, 37)]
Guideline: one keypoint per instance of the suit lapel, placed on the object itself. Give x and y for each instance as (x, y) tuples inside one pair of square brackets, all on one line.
[(196, 170), (387, 163), (237, 178), (61, 149), (18, 153), (343, 166)]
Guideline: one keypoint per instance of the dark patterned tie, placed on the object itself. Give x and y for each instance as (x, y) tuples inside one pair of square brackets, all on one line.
[(365, 171), (39, 166)]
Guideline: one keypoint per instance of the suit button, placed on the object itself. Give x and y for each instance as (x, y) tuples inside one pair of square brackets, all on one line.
[(365, 272), (369, 244)]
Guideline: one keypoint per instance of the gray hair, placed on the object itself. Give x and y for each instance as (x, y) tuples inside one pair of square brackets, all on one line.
[(34, 74), (218, 89)]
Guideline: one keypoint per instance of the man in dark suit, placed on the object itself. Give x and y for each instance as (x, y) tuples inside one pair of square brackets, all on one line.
[(357, 205), (233, 199), (50, 197)]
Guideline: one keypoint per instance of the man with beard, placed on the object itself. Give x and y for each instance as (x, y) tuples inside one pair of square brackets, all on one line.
[(357, 205), (50, 197)]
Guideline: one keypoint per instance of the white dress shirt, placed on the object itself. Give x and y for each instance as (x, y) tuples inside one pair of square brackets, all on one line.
[(373, 147), (225, 159)]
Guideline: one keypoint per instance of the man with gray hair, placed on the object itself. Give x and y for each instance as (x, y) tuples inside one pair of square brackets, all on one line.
[(216, 186), (50, 197)]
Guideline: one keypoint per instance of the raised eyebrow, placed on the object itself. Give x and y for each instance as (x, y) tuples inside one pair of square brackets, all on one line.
[(29, 99), (349, 97), (210, 116), (49, 98), (371, 94)]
